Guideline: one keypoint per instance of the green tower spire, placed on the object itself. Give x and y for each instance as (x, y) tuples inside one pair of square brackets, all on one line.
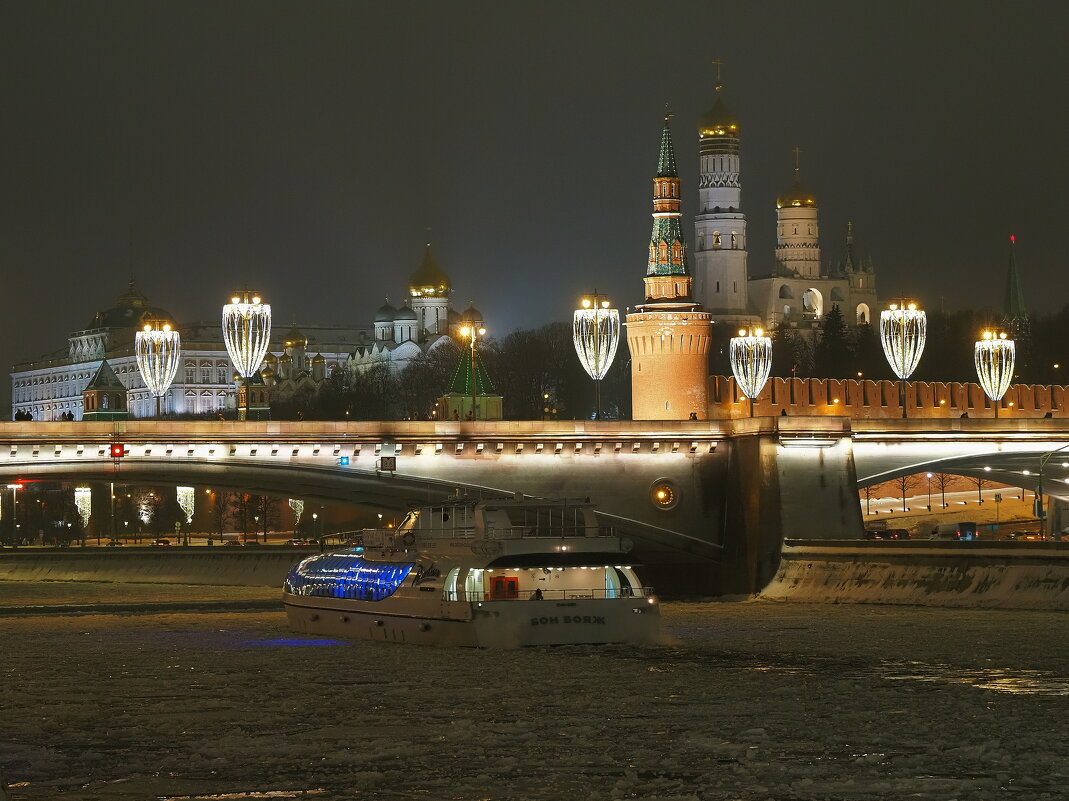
[(666, 158), (1013, 305), (668, 249)]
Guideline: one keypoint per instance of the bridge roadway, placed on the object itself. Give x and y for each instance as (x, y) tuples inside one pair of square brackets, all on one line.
[(736, 488)]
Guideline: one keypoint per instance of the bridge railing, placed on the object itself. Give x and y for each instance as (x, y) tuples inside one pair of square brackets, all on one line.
[(386, 537), (568, 594)]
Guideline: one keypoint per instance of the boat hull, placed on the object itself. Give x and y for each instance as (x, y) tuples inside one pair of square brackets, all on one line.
[(486, 624)]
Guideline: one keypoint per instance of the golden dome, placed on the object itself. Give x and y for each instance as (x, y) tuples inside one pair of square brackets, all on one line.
[(429, 280), (295, 339), (318, 359), (797, 196), (270, 358), (719, 120), (285, 359)]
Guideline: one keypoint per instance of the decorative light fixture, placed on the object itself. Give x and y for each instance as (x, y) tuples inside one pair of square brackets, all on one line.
[(185, 500), (247, 332), (751, 362), (474, 333), (83, 502), (596, 333), (902, 331), (995, 355), (297, 505), (158, 348)]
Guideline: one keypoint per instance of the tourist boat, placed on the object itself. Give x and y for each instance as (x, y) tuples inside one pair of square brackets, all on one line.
[(500, 574)]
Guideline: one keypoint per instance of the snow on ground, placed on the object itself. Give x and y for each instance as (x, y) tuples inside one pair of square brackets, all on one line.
[(752, 700)]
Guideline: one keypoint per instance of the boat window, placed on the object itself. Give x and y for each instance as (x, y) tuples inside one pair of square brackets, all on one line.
[(612, 583), (449, 589), (473, 585), (347, 576), (632, 580)]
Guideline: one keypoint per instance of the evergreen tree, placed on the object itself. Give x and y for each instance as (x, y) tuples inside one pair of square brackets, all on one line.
[(832, 356)]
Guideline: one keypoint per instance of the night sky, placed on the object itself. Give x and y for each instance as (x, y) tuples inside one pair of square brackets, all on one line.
[(303, 149)]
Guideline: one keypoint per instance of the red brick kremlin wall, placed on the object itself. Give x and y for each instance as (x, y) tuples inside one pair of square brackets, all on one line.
[(876, 399)]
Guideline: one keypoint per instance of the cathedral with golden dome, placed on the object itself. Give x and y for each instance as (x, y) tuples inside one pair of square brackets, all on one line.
[(797, 287)]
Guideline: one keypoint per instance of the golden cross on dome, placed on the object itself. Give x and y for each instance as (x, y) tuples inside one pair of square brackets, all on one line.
[(668, 113), (718, 62)]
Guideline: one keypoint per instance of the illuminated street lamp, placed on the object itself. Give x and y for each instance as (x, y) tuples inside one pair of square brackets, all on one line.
[(596, 333), (158, 348), (751, 362), (247, 332), (994, 356), (902, 331), (14, 513), (474, 333)]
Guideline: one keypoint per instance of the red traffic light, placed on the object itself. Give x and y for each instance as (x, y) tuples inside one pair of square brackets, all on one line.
[(118, 451)]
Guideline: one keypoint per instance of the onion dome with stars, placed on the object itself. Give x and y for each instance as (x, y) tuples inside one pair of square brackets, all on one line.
[(429, 280)]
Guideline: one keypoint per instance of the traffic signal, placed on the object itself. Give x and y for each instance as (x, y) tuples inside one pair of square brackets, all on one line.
[(118, 450), (343, 461)]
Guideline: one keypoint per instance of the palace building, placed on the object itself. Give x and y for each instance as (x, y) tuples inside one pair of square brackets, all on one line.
[(299, 360)]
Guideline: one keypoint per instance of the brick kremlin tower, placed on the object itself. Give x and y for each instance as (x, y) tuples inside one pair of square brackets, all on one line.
[(668, 334)]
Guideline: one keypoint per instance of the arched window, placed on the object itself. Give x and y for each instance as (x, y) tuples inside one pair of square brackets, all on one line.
[(734, 241), (104, 405), (716, 239), (786, 293)]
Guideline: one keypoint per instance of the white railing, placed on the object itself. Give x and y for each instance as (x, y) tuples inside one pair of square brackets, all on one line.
[(569, 594)]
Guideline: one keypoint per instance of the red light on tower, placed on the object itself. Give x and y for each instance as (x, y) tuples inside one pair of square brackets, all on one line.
[(118, 451), (1013, 239)]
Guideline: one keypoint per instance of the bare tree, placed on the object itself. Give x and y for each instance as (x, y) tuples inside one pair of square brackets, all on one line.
[(906, 485), (980, 482), (869, 493), (942, 481)]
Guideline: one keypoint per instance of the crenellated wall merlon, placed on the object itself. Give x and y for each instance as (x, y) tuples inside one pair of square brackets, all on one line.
[(866, 399)]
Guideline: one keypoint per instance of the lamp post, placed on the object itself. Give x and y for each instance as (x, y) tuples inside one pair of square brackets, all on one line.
[(751, 362), (994, 355), (596, 334), (474, 333), (929, 477), (14, 513), (1038, 509), (246, 332), (158, 349), (903, 328)]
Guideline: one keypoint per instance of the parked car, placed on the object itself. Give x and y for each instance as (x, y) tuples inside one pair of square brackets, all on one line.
[(234, 543), (887, 534), (1026, 535), (300, 543), (114, 544), (161, 542)]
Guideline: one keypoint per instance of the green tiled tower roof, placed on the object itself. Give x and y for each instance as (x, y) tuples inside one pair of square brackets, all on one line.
[(666, 158), (1013, 305)]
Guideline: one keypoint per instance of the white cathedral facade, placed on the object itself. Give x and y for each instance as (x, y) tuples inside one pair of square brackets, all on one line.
[(799, 287), (299, 360)]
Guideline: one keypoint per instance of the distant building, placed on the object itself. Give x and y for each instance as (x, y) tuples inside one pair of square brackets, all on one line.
[(299, 361)]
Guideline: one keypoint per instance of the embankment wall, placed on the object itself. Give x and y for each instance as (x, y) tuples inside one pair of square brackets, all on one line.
[(218, 566), (954, 574)]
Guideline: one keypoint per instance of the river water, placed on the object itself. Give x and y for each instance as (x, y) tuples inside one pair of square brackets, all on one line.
[(750, 700)]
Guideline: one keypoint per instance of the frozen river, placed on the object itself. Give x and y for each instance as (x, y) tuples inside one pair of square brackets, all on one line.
[(751, 700)]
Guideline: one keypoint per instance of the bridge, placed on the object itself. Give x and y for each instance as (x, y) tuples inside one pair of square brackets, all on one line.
[(711, 501)]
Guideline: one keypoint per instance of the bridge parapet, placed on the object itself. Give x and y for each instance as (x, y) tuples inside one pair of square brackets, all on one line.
[(881, 400)]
